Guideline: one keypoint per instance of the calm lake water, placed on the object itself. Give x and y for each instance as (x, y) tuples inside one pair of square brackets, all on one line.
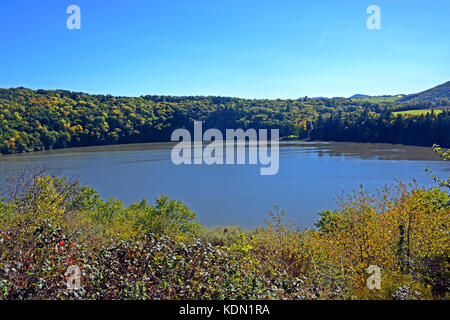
[(311, 176)]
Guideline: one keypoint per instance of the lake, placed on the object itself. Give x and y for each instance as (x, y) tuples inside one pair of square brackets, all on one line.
[(311, 176)]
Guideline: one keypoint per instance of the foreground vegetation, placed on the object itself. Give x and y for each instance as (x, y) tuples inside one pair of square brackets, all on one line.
[(33, 120), (159, 251)]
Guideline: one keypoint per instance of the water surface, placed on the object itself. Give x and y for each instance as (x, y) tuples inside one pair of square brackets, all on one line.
[(311, 176)]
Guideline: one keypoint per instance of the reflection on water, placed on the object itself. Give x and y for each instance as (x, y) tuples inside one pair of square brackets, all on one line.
[(375, 151), (311, 175)]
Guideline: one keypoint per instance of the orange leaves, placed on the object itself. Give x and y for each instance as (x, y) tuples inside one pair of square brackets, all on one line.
[(396, 230)]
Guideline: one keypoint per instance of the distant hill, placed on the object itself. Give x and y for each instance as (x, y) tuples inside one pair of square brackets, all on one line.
[(359, 96), (439, 92)]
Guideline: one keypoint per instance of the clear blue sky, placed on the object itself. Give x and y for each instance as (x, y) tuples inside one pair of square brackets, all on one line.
[(241, 48)]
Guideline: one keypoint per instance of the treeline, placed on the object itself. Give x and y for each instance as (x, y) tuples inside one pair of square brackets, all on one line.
[(421, 130), (33, 120)]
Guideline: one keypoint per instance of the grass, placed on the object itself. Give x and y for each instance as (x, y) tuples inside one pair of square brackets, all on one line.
[(416, 112), (377, 99)]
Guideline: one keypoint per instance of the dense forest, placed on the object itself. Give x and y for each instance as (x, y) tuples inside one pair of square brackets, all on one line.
[(423, 130), (32, 120)]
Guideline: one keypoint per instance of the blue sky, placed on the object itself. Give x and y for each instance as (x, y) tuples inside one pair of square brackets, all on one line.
[(240, 48)]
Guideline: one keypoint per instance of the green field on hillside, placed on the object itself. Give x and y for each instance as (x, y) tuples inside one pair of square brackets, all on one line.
[(377, 99), (417, 112)]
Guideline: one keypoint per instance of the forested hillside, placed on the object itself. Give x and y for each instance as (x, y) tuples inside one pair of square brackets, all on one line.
[(436, 93), (32, 120), (421, 130)]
